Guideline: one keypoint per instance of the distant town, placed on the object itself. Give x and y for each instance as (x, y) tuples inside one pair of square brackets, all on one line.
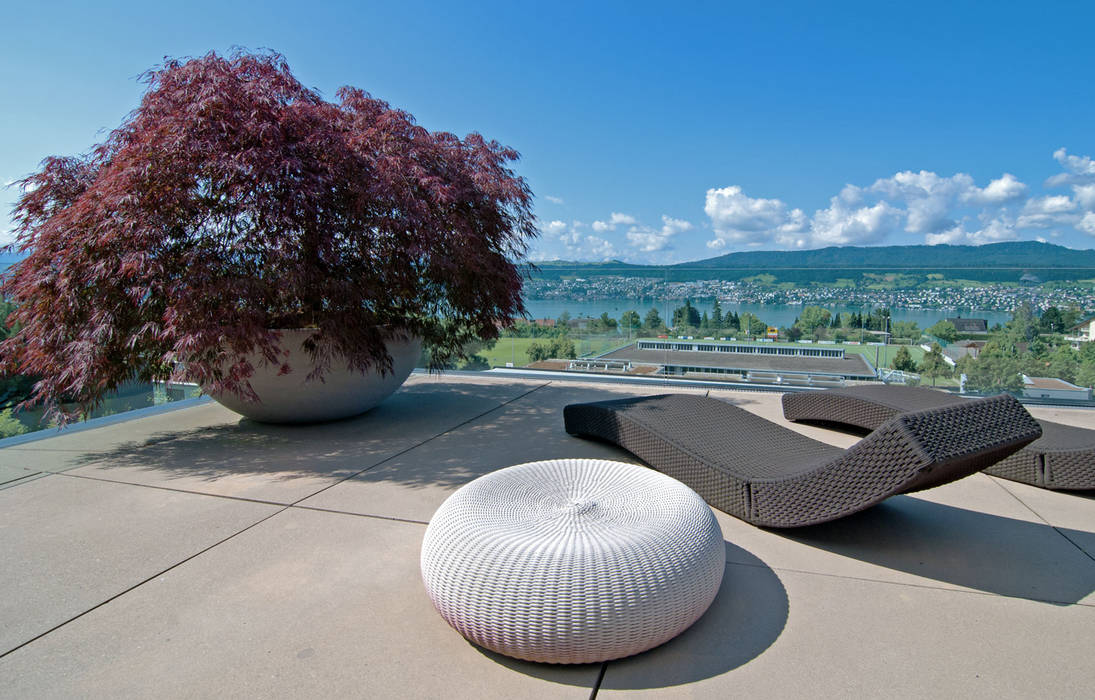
[(1003, 297)]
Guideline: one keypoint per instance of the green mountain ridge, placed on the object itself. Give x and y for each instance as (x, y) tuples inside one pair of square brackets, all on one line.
[(1011, 262), (1016, 254)]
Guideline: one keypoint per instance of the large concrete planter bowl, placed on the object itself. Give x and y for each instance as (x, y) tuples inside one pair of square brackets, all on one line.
[(289, 398)]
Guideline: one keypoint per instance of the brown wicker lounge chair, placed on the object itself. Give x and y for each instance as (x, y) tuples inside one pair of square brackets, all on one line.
[(769, 475), (1063, 458)]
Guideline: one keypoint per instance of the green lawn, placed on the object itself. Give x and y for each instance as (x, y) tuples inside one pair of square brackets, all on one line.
[(885, 353), (515, 349)]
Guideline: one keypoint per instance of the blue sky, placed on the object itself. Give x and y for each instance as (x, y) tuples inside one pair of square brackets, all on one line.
[(652, 133)]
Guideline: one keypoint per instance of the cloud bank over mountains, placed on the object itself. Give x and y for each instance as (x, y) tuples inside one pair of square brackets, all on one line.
[(935, 208), (581, 242), (916, 207)]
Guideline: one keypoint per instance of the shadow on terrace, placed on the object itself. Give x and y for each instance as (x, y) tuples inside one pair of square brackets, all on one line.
[(333, 450), (434, 437), (747, 616), (953, 545)]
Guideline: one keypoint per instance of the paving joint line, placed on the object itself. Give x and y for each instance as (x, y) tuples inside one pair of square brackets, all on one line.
[(169, 488), (25, 480), (139, 584), (360, 515), (943, 589), (236, 498), (597, 683), (20, 478), (419, 444), (1038, 515)]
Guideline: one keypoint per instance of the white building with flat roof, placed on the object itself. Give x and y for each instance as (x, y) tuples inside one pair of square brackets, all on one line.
[(1053, 388)]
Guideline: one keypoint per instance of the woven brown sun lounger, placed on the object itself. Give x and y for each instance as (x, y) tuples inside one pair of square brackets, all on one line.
[(1063, 458), (770, 475)]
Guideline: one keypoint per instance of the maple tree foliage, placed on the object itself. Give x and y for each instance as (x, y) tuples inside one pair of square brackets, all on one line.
[(234, 201)]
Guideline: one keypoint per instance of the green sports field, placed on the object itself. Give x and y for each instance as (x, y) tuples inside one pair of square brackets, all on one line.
[(515, 349)]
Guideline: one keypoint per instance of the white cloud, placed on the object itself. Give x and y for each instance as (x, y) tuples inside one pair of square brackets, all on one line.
[(1006, 188), (937, 209), (995, 230), (1079, 170), (952, 236), (1085, 196), (1056, 204), (649, 240), (1079, 165), (553, 200), (941, 208), (931, 200), (615, 220), (646, 240), (740, 219), (569, 241), (574, 241), (842, 224), (736, 215), (598, 248), (1087, 224), (1043, 212), (555, 228)]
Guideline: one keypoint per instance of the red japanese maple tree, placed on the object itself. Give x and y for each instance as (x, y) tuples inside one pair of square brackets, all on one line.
[(235, 201)]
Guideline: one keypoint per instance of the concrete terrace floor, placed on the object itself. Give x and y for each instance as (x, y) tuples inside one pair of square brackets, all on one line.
[(192, 553)]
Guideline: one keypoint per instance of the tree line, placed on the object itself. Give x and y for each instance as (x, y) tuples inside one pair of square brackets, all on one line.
[(1030, 345)]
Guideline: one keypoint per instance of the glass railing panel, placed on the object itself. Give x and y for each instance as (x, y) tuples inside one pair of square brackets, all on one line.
[(129, 398)]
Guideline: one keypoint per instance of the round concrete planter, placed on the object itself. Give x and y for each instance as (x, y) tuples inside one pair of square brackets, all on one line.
[(340, 394)]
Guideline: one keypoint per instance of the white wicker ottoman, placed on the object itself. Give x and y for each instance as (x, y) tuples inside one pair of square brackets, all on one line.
[(572, 561)]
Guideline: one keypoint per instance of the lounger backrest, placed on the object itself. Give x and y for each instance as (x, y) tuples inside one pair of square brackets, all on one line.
[(940, 444), (957, 436)]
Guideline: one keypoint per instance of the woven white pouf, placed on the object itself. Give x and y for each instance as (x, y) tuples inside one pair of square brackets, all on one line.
[(572, 561)]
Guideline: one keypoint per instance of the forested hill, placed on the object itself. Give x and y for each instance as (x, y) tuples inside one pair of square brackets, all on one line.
[(1018, 254), (996, 262)]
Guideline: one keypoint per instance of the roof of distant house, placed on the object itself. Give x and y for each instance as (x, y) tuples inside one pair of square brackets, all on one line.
[(1085, 322), (1050, 383), (969, 325)]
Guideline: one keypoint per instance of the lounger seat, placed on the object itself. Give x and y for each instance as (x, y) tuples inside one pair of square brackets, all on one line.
[(1062, 459), (772, 476)]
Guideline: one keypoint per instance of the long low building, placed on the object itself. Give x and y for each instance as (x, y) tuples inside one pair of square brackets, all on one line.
[(779, 363)]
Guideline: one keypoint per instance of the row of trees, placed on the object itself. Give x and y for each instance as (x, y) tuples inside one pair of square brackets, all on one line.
[(1052, 321), (818, 323), (687, 319), (558, 348), (815, 322), (932, 366)]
